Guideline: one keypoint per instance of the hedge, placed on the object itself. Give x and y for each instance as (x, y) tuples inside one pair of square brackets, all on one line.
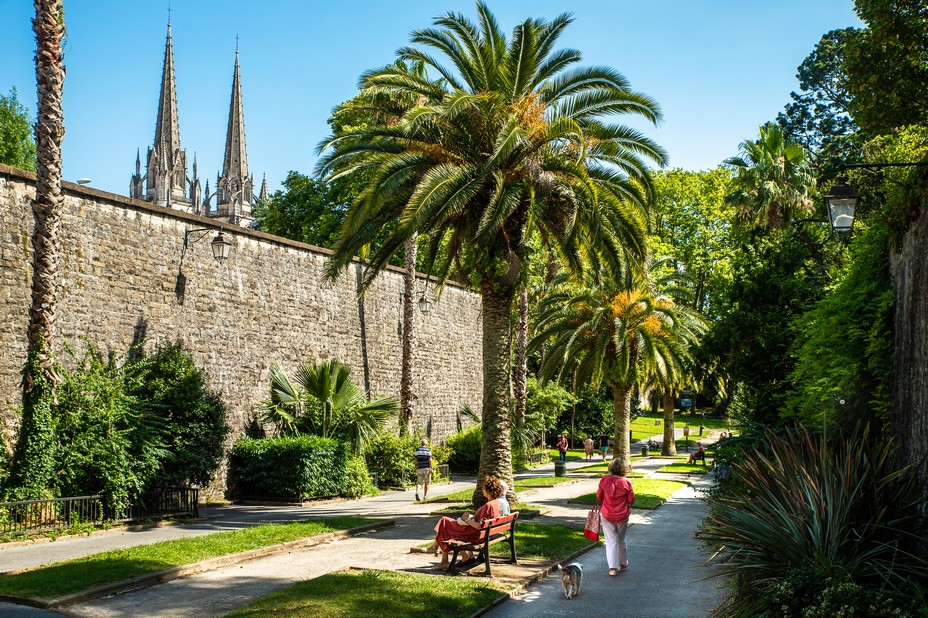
[(288, 467)]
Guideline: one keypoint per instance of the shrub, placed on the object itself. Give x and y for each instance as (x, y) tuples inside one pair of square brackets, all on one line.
[(391, 457), (287, 467), (358, 480), (846, 510), (465, 450), (172, 387), (107, 442)]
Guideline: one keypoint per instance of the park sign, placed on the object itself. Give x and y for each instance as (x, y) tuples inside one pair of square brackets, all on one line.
[(686, 402)]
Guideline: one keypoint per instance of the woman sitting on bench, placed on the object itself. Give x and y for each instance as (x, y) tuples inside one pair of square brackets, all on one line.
[(699, 454), (467, 527)]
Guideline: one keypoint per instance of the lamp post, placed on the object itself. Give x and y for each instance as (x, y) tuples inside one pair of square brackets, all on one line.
[(841, 205)]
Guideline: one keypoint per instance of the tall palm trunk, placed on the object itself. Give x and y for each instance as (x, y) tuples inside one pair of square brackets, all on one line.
[(495, 449), (521, 369), (670, 444), (32, 466), (407, 396), (621, 406)]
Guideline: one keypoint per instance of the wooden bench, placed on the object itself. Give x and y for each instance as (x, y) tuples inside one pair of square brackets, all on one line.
[(499, 530)]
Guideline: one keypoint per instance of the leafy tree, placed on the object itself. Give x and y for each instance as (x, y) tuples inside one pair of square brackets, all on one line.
[(692, 225), (819, 118), (513, 141), (615, 333), (171, 387), (887, 65), (773, 181), (17, 147), (306, 210), (325, 402), (31, 468)]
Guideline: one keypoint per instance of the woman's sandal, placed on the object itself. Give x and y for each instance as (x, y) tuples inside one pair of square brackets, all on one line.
[(612, 572), (623, 567)]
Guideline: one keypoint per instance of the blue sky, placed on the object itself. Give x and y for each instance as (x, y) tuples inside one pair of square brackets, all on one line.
[(718, 68)]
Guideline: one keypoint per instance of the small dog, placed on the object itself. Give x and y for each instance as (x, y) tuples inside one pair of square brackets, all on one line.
[(571, 576)]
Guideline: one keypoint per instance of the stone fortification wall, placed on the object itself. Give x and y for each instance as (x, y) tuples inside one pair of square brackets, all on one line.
[(268, 303)]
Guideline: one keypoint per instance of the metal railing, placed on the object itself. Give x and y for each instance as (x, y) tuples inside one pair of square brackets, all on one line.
[(37, 516)]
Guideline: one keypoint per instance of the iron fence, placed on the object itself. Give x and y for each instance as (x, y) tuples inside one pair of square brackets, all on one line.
[(37, 516)]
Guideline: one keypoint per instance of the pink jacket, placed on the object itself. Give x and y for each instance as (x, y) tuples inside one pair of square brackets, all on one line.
[(617, 495)]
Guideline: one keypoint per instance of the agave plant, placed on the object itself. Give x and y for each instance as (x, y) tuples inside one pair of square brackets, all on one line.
[(842, 508), (325, 402)]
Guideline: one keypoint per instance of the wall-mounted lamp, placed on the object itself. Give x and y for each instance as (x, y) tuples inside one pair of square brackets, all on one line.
[(425, 303), (842, 200), (220, 246)]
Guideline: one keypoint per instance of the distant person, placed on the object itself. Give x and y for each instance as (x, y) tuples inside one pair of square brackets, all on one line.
[(562, 447), (616, 494), (588, 447), (504, 507), (699, 454), (423, 457), (604, 445)]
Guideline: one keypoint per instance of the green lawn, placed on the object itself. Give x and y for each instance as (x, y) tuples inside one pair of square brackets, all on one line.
[(572, 455), (389, 594), (386, 594), (649, 493), (460, 507), (543, 481), (684, 468), (63, 578), (602, 467)]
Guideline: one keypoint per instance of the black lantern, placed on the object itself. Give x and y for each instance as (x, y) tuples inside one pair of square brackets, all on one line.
[(425, 304), (841, 204), (221, 247)]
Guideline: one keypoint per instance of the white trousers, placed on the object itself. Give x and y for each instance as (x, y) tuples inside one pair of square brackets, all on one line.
[(616, 547)]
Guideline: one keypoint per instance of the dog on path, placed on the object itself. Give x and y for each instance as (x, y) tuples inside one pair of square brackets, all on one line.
[(571, 577)]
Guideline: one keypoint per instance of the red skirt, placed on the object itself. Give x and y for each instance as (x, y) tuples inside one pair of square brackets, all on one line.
[(447, 529)]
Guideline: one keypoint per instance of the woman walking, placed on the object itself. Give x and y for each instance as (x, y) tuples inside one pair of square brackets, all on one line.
[(616, 494)]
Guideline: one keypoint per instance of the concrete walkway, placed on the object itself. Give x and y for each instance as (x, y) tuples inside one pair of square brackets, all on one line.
[(217, 592)]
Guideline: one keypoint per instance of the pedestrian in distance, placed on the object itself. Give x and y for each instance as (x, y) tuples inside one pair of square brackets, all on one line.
[(562, 447), (423, 457), (616, 495), (604, 445), (588, 447)]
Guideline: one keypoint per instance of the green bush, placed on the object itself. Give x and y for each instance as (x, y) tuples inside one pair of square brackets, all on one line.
[(846, 511), (391, 457), (287, 467), (358, 479), (171, 386), (107, 442), (465, 450)]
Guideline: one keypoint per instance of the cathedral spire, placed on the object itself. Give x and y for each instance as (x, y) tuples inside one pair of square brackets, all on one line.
[(235, 190), (167, 128)]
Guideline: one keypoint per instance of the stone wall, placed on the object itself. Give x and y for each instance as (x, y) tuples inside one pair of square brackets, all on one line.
[(119, 283)]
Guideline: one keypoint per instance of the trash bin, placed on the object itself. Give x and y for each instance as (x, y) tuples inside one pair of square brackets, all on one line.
[(644, 451), (560, 468)]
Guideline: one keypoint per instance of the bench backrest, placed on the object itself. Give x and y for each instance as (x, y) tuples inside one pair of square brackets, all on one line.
[(499, 525)]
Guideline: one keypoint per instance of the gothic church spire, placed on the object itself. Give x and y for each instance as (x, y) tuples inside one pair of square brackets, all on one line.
[(235, 190)]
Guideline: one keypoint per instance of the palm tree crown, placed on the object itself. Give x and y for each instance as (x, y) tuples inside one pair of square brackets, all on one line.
[(774, 180)]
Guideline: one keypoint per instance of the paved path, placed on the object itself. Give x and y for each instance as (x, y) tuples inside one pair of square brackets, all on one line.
[(217, 592)]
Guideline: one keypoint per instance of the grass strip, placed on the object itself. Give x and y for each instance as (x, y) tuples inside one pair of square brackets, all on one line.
[(72, 576), (548, 542), (460, 507), (684, 468), (649, 493), (385, 594), (543, 481)]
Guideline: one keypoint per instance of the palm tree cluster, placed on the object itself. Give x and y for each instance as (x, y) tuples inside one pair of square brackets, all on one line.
[(508, 140)]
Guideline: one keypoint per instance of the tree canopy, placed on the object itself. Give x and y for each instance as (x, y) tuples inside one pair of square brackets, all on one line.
[(17, 147)]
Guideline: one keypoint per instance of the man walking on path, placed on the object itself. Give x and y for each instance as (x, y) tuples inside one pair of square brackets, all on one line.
[(562, 447), (423, 457)]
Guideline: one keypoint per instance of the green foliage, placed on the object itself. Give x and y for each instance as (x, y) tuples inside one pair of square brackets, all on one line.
[(17, 147), (306, 209), (887, 65), (171, 387), (854, 361), (358, 481), (32, 467), (289, 466), (847, 511), (325, 402), (391, 457), (465, 450), (107, 442), (547, 401)]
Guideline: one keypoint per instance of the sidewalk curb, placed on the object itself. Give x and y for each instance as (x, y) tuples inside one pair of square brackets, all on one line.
[(531, 581), (210, 564)]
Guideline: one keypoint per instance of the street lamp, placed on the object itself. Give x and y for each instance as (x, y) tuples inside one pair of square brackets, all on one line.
[(220, 246), (841, 204)]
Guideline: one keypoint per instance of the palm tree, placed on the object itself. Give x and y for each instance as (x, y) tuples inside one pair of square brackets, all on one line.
[(32, 465), (619, 332), (504, 136), (325, 402), (773, 181)]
